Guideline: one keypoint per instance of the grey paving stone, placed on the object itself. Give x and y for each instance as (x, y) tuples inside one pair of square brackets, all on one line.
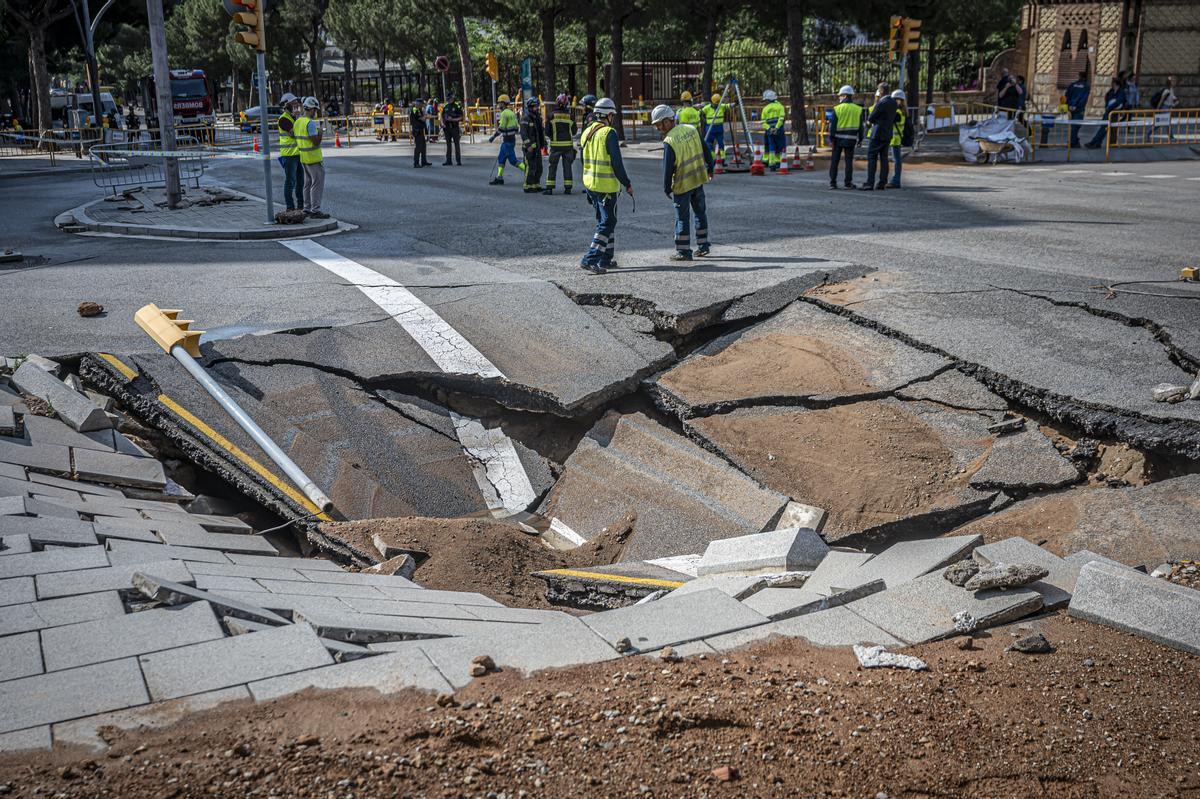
[(923, 610), (355, 578), (908, 560), (10, 486), (111, 467), (11, 471), (670, 621), (833, 627), (72, 407), (467, 598), (121, 551), (430, 610), (226, 542), (784, 603), (172, 593), (132, 634), (389, 673), (43, 457), (56, 612), (232, 661), (25, 740), (110, 578), (15, 544), (1086, 556), (8, 421), (80, 486), (320, 589), (20, 656), (44, 430), (518, 615), (216, 582), (790, 549), (17, 591), (218, 524), (59, 532), (59, 560), (51, 506), (92, 506), (340, 650), (12, 506), (1150, 607), (292, 563), (1056, 587), (125, 530), (277, 571), (365, 628), (738, 586), (833, 570), (62, 695), (86, 731)]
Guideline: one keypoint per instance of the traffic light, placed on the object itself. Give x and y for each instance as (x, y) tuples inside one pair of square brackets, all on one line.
[(249, 13), (894, 37), (493, 66), (910, 35)]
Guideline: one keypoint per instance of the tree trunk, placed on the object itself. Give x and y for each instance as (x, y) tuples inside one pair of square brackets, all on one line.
[(380, 63), (795, 34), (591, 59), (929, 68), (347, 85), (41, 76), (464, 58), (617, 68), (547, 18), (314, 60), (710, 50)]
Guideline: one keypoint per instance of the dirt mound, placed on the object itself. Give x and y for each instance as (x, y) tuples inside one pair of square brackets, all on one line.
[(482, 554)]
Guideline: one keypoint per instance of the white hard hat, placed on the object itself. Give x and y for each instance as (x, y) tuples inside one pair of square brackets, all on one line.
[(770, 96), (288, 97), (311, 102), (605, 107), (847, 89), (899, 95), (660, 113)]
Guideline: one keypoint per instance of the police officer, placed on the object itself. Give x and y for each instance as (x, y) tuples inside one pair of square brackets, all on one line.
[(307, 132), (289, 153), (416, 123), (603, 176), (562, 145), (687, 166), (533, 139), (506, 127), (774, 119), (714, 121), (688, 113), (845, 132), (452, 117)]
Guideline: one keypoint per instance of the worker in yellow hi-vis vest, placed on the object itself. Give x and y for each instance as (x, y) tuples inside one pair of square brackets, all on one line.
[(603, 176), (687, 166)]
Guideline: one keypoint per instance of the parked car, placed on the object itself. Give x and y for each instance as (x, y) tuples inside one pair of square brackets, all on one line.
[(249, 121)]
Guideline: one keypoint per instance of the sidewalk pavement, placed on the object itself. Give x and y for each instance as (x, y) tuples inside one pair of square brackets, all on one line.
[(209, 212)]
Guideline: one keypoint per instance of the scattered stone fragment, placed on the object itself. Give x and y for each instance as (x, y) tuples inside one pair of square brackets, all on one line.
[(1006, 575), (72, 407), (1138, 603), (1169, 392), (964, 622), (788, 549), (669, 654), (481, 665), (623, 645), (1161, 570), (1035, 644), (875, 657), (89, 308), (966, 642), (1194, 389), (1007, 426), (725, 773), (402, 565), (959, 573)]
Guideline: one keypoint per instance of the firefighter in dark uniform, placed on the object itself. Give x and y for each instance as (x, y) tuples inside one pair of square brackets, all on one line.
[(452, 117), (562, 145), (533, 137), (416, 123)]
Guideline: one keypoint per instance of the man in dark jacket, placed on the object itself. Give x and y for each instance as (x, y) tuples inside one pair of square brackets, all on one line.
[(1114, 100), (452, 117), (533, 136), (1077, 98), (882, 119), (416, 123)]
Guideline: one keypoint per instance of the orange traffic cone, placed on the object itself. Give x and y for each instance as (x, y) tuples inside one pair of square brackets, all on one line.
[(809, 163), (719, 167), (783, 164), (796, 158), (337, 140), (757, 167), (255, 144)]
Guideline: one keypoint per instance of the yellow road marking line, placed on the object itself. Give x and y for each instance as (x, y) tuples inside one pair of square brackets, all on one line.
[(119, 365), (618, 578)]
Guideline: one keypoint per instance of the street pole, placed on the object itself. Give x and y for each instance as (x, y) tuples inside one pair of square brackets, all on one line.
[(162, 93), (265, 129)]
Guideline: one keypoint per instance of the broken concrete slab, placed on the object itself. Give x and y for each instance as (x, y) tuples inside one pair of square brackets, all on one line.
[(121, 552), (738, 586), (17, 591), (117, 637), (44, 430), (53, 561), (208, 582), (395, 607), (908, 560), (784, 603), (109, 578), (341, 651), (876, 657), (172, 593), (15, 544), (800, 354), (233, 661), (86, 731), (8, 421), (20, 656), (797, 514), (40, 457), (25, 740), (72, 407), (836, 626), (684, 496), (53, 531), (1146, 606), (386, 673), (186, 536), (923, 610), (670, 621), (278, 570), (1056, 587), (608, 587), (783, 550), (364, 628), (833, 570), (63, 695), (1026, 461), (113, 467), (1085, 556), (268, 560)]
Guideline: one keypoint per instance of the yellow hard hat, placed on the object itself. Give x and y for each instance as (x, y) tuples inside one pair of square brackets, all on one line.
[(504, 98), (686, 97), (716, 98)]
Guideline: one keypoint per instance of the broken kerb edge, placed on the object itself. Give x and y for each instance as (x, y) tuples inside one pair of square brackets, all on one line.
[(183, 344)]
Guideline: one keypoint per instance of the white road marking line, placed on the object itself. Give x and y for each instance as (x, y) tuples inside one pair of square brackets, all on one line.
[(1158, 177), (1074, 171), (498, 469), (1191, 178), (1116, 174), (684, 564)]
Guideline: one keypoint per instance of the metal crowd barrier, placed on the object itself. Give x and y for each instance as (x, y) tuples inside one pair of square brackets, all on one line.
[(1148, 127), (51, 142), (143, 163)]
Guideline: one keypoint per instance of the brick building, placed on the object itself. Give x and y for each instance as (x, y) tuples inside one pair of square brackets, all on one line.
[(1148, 38)]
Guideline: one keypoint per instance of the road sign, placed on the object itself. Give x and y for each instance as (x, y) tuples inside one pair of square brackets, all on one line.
[(442, 64), (527, 77)]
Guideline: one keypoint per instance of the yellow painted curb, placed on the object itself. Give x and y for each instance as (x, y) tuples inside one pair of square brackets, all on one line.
[(617, 578), (119, 365)]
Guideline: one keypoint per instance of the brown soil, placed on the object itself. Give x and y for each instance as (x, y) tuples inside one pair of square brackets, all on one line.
[(1052, 521), (774, 364), (1106, 714), (481, 554), (865, 464), (1121, 464), (849, 292)]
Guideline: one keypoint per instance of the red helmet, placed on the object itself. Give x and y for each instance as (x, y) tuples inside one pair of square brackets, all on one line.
[(562, 101)]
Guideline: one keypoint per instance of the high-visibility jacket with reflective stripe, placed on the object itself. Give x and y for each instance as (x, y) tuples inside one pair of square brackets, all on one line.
[(508, 125), (287, 142), (688, 115), (310, 151), (560, 131), (598, 175), (690, 171), (773, 116), (715, 115), (848, 117), (898, 129)]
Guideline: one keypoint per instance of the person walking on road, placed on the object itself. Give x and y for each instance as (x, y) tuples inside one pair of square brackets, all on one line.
[(1077, 99), (416, 124), (533, 138), (882, 120), (507, 127), (289, 153), (452, 117), (688, 113), (845, 132), (307, 132), (687, 166), (898, 135), (562, 145), (774, 118), (603, 176)]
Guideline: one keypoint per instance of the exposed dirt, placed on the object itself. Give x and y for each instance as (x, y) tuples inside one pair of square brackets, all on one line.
[(849, 292), (481, 554), (774, 364), (865, 464), (1052, 521), (1106, 714)]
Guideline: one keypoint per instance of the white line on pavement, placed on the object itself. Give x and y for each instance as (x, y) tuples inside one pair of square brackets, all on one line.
[(1158, 177), (1192, 178), (1074, 171), (1116, 174), (499, 472)]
